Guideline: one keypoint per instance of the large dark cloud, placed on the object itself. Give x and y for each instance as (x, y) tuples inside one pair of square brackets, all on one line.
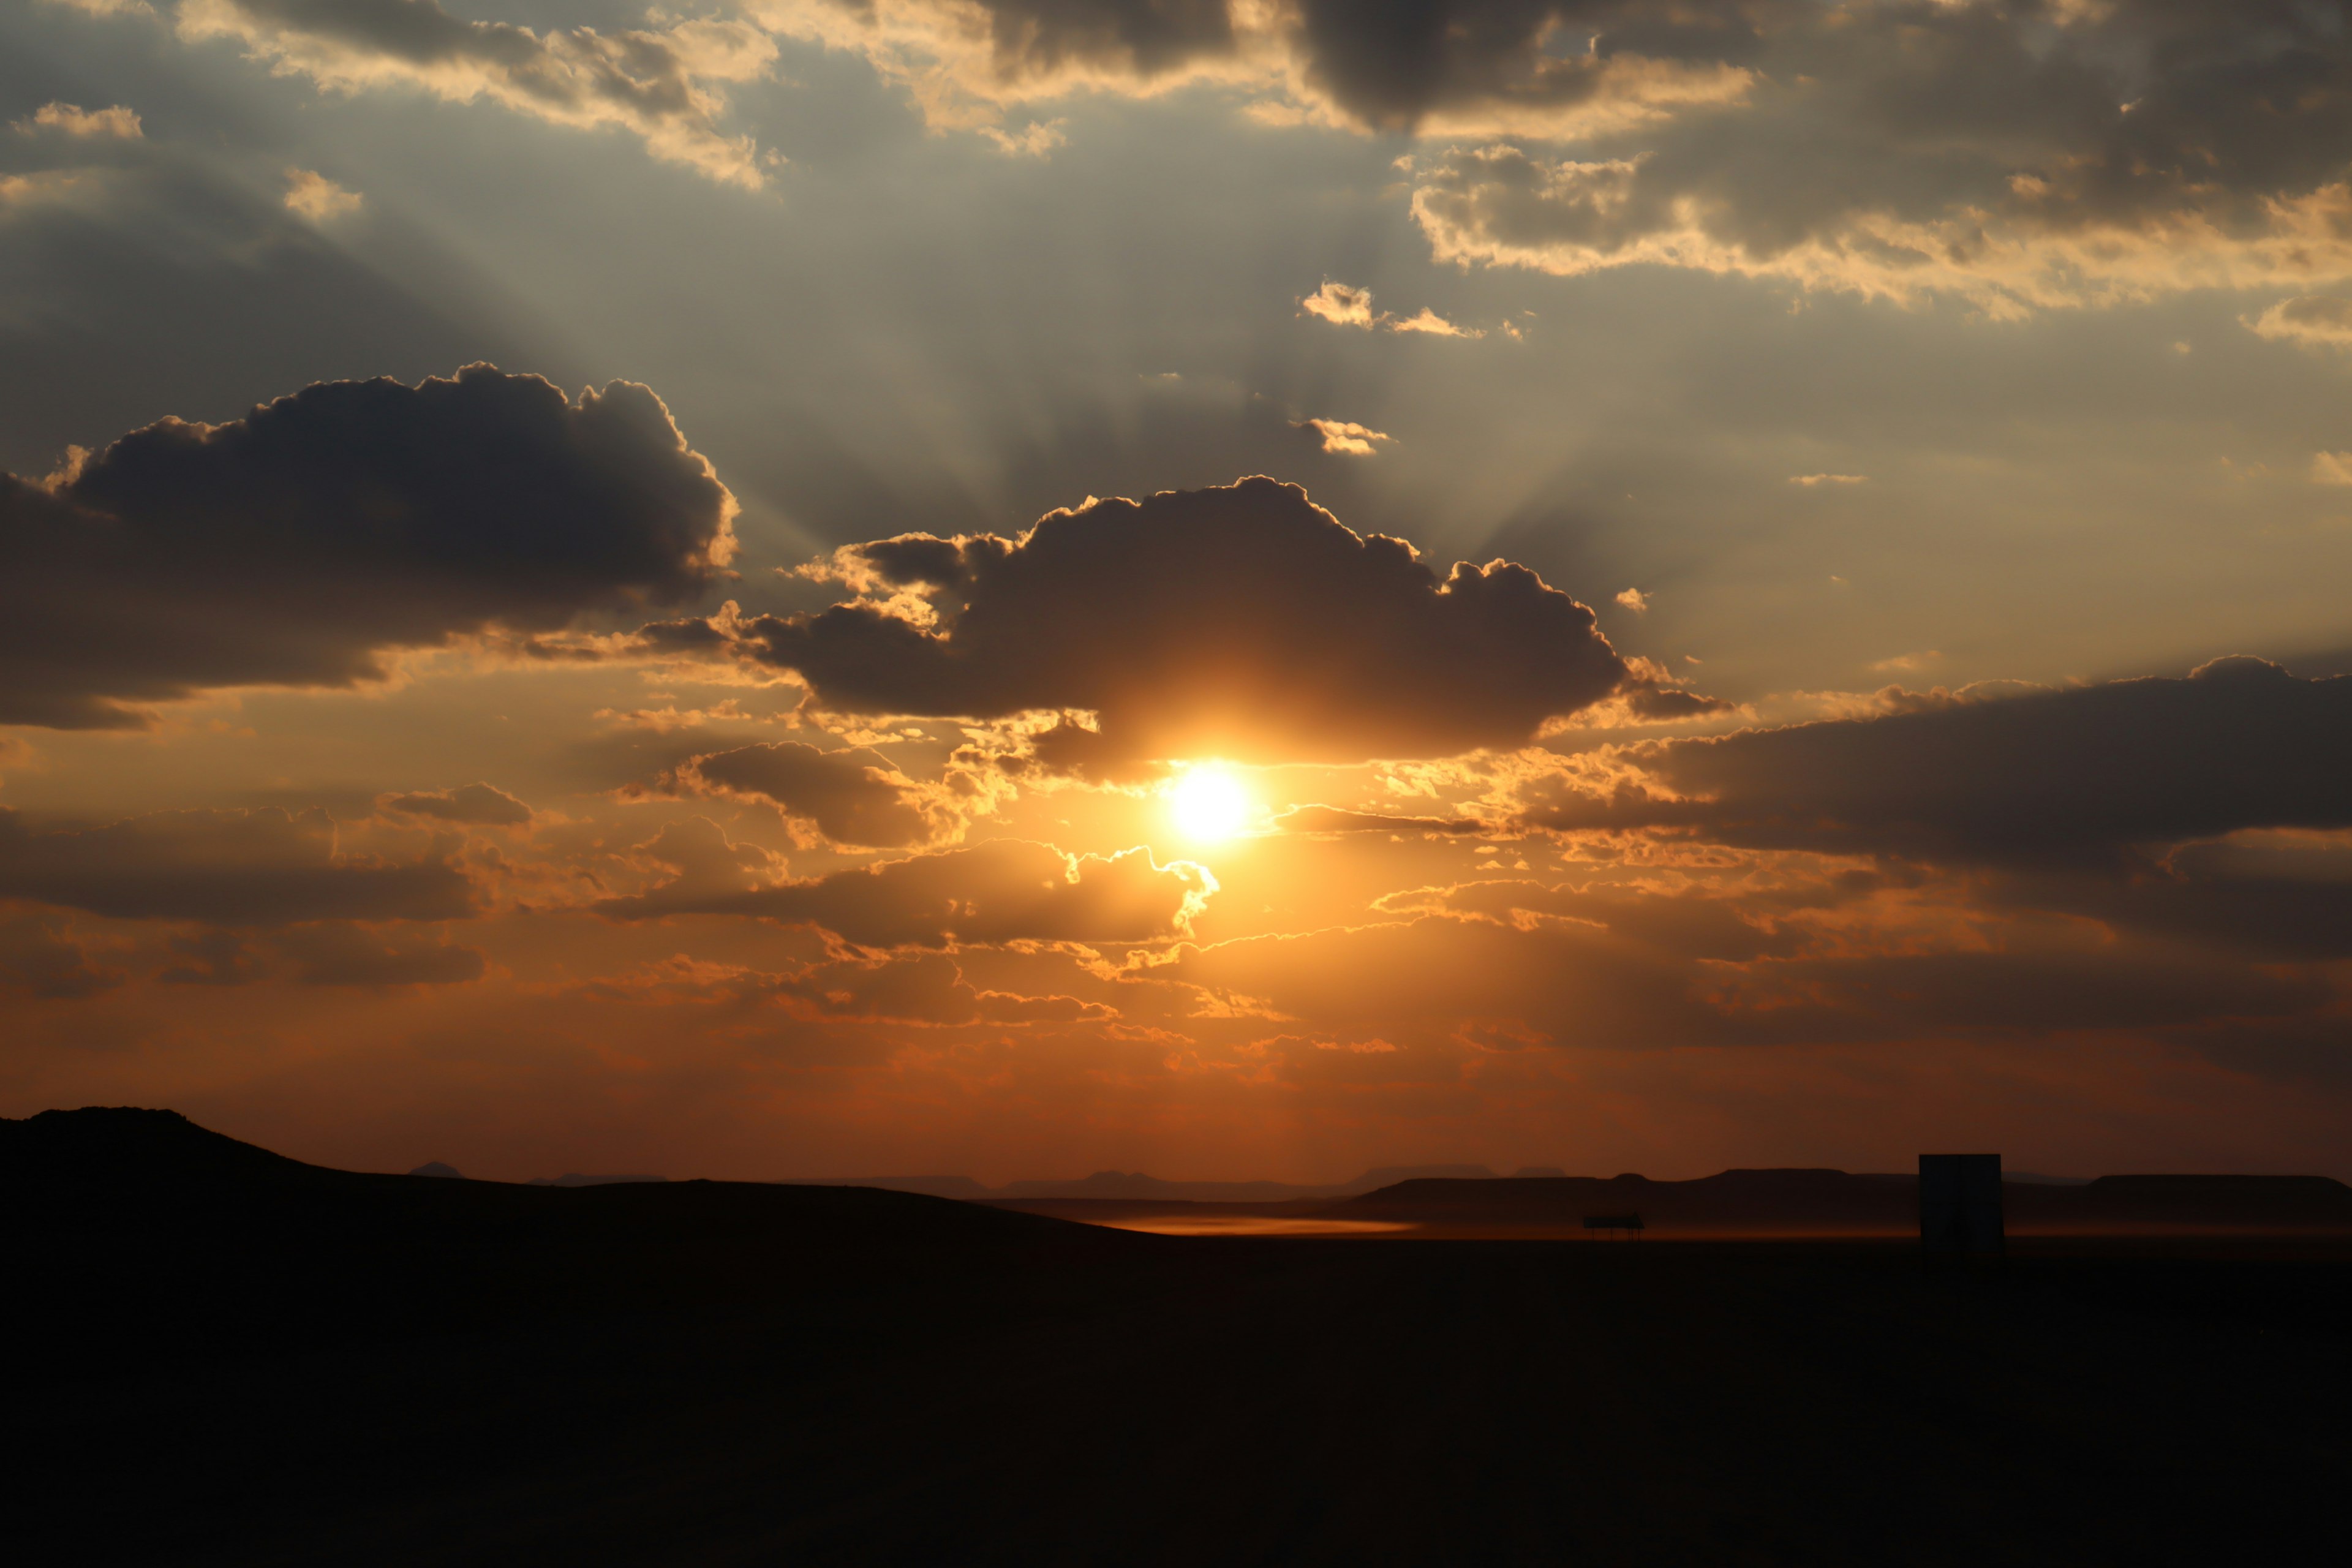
[(1891, 145), (260, 868), (2074, 774), (853, 796), (298, 544), (1002, 891), (1244, 622)]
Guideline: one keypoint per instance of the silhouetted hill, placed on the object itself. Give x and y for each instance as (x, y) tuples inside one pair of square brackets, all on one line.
[(127, 1216)]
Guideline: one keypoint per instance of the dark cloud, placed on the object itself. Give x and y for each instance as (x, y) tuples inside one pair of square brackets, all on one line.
[(1338, 820), (2075, 775), (296, 545), (210, 957), (224, 868), (1691, 922), (342, 954), (1243, 621), (852, 795), (39, 959), (1898, 145), (2280, 901), (1147, 37), (1002, 891), (925, 988), (473, 802)]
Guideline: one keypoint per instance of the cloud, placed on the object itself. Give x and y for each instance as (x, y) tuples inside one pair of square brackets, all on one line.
[(1002, 891), (1244, 622), (224, 868), (2079, 774), (341, 953), (317, 197), (2319, 321), (1813, 481), (2020, 156), (967, 62), (1343, 305), (473, 802), (40, 960), (1634, 599), (73, 121), (1454, 68), (2331, 468), (299, 544), (852, 796), (1345, 438), (924, 988), (1429, 322), (1338, 820), (658, 85)]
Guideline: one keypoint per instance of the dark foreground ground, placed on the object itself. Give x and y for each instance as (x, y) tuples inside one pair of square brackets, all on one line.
[(221, 1357)]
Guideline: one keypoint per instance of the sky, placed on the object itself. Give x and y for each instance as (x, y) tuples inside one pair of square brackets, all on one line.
[(1231, 589)]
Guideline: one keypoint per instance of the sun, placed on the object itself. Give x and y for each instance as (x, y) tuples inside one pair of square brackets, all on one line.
[(1208, 804)]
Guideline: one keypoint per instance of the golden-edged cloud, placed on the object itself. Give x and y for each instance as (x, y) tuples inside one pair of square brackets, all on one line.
[(1345, 438), (1000, 891), (1241, 622), (659, 84), (71, 119)]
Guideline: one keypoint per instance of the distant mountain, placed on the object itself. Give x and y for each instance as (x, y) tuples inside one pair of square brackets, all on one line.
[(435, 1168), (1134, 1186), (1824, 1202)]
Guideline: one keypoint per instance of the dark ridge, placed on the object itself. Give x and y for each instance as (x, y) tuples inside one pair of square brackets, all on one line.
[(142, 1224)]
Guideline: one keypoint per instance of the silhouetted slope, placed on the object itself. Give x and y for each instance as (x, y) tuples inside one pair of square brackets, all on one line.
[(142, 1222)]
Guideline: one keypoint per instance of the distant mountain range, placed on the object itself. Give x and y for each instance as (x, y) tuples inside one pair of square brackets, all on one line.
[(1135, 1186)]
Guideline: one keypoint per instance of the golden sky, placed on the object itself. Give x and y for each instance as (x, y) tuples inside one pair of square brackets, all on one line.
[(1236, 588)]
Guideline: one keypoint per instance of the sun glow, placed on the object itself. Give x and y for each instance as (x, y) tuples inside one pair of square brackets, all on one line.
[(1209, 805)]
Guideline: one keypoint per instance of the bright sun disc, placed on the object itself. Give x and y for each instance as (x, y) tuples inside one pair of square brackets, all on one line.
[(1209, 804)]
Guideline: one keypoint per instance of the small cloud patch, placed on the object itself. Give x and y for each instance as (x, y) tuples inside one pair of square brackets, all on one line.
[(1345, 438), (317, 197), (75, 121)]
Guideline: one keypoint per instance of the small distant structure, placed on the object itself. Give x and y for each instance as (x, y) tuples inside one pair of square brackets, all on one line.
[(1960, 1205), (1610, 1225)]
